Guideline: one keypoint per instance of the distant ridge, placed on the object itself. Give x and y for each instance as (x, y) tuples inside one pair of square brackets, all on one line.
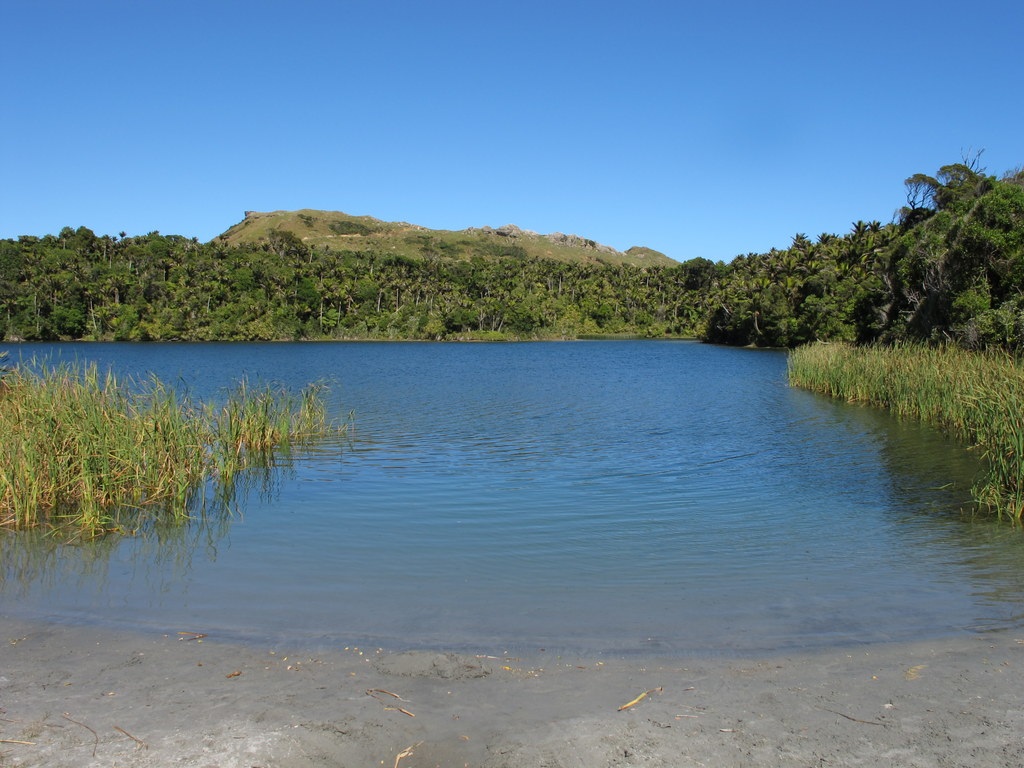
[(343, 232)]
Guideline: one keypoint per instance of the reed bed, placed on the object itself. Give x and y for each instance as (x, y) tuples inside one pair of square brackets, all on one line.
[(83, 451), (976, 397)]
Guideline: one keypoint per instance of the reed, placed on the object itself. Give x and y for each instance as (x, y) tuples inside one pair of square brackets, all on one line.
[(976, 397), (83, 451)]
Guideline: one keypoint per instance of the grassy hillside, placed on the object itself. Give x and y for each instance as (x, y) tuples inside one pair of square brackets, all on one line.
[(341, 232)]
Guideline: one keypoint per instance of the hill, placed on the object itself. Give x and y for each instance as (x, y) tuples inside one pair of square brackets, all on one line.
[(342, 232)]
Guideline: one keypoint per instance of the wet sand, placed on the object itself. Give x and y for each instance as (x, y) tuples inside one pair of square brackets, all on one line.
[(72, 696)]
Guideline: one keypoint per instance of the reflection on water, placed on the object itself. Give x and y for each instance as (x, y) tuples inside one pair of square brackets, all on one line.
[(160, 551), (633, 496)]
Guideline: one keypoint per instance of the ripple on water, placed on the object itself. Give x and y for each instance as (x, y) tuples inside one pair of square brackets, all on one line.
[(621, 496)]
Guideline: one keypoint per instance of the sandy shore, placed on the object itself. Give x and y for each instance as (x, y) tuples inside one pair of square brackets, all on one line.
[(78, 697)]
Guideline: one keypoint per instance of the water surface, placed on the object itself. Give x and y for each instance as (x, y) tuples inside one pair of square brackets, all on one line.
[(655, 497)]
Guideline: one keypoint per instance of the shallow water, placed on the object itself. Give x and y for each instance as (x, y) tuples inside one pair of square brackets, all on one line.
[(654, 497)]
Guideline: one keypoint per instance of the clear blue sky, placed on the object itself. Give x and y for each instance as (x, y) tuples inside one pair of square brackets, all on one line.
[(708, 129)]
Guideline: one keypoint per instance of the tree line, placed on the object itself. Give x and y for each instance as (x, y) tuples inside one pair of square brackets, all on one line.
[(950, 266)]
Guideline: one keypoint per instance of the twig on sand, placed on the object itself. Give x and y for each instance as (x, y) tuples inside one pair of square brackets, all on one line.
[(68, 717), (408, 752), (640, 698), (137, 740), (373, 693), (854, 719), (15, 741)]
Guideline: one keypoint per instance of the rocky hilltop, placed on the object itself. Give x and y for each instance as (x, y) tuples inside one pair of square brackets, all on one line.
[(343, 232)]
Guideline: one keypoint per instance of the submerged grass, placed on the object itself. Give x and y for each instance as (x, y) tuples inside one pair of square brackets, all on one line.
[(975, 397), (83, 451)]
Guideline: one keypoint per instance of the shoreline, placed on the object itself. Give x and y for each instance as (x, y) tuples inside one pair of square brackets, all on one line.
[(72, 695)]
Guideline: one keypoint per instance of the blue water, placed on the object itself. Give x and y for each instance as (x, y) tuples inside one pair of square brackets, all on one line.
[(649, 497)]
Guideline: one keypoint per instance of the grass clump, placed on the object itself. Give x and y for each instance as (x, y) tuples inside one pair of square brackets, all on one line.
[(976, 397), (83, 451)]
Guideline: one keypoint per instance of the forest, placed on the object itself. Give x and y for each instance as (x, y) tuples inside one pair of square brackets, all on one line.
[(948, 267)]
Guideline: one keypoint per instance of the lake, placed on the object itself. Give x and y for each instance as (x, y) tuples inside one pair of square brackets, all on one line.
[(613, 497)]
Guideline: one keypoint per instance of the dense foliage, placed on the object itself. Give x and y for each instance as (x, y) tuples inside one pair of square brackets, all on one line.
[(77, 285), (949, 267)]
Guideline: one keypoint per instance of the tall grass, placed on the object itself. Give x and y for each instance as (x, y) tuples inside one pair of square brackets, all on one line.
[(82, 451), (975, 397)]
